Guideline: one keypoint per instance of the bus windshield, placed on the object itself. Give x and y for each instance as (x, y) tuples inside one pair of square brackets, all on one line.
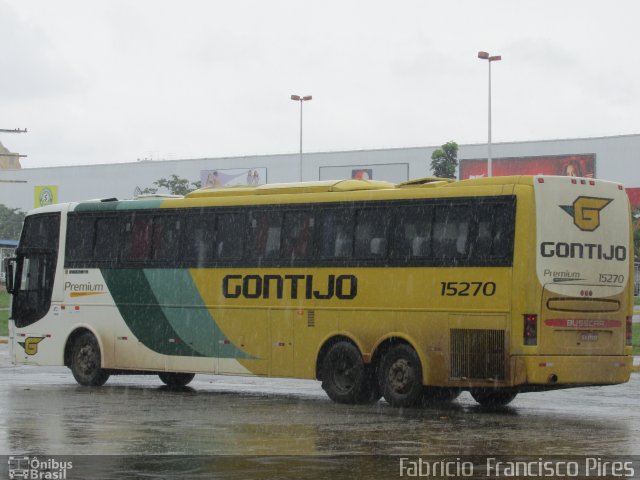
[(34, 268)]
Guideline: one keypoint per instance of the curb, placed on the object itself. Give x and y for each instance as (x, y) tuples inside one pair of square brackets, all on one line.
[(4, 340)]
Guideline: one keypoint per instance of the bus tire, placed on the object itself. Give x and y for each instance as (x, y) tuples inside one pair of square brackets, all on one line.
[(172, 379), (440, 394), (490, 397), (400, 376), (344, 377), (85, 361)]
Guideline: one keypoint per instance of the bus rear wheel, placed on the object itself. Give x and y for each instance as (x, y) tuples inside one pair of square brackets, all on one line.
[(176, 379), (345, 377), (489, 397), (400, 376), (85, 361)]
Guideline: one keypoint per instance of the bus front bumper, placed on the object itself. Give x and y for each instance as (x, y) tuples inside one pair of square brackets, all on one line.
[(572, 370)]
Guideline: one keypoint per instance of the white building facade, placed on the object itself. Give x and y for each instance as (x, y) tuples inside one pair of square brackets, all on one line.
[(613, 158)]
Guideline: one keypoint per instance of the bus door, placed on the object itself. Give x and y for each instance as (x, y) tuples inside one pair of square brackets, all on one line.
[(30, 278)]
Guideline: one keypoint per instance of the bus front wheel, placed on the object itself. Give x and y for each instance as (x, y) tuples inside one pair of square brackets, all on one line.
[(85, 361), (489, 397), (345, 377), (176, 379), (401, 376)]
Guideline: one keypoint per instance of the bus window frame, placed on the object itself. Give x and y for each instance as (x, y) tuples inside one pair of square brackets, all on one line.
[(319, 212)]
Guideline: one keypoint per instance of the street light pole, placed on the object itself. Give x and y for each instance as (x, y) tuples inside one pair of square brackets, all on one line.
[(300, 99), (489, 58)]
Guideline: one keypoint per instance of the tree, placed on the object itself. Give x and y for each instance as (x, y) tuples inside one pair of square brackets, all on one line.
[(11, 220), (636, 234), (445, 160), (174, 184)]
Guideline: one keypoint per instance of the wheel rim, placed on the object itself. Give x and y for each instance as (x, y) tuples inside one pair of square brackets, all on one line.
[(344, 375), (86, 360), (401, 376)]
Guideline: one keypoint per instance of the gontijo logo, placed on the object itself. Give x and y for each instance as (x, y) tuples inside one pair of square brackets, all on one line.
[(586, 212), (30, 345)]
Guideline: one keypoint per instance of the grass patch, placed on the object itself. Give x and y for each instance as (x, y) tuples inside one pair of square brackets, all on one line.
[(4, 313), (636, 300)]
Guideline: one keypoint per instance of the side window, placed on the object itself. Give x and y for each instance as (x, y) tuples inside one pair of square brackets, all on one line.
[(80, 238), (265, 234), (199, 240), (336, 233), (451, 231), (495, 231), (136, 245), (93, 239), (166, 237), (504, 229), (412, 232), (297, 235), (230, 235), (107, 239), (371, 233)]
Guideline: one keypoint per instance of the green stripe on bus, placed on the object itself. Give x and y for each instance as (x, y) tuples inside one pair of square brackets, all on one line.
[(119, 206), (142, 313), (187, 314)]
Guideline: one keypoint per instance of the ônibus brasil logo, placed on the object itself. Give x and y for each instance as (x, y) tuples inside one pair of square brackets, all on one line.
[(586, 212), (38, 468)]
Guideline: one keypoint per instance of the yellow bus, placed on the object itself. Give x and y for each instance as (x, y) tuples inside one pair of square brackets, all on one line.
[(410, 292)]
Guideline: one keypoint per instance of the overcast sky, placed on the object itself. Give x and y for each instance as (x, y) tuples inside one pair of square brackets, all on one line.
[(115, 81)]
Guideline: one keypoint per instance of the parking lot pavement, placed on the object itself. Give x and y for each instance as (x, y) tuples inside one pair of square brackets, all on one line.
[(5, 361)]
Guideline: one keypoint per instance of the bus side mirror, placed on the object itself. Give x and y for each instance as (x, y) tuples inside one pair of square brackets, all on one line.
[(9, 268)]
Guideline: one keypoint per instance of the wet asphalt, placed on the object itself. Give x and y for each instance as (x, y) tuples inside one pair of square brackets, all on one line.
[(45, 412)]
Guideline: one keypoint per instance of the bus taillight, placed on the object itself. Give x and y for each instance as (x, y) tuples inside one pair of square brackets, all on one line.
[(628, 331), (530, 329)]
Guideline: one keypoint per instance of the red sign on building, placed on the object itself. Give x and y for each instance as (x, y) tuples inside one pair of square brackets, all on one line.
[(580, 165)]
